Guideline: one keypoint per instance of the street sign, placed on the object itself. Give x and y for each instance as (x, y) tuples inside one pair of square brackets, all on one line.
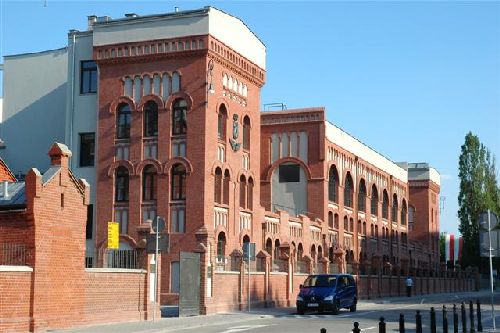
[(163, 243), (484, 243), (113, 235), (483, 220), (158, 224), (246, 248)]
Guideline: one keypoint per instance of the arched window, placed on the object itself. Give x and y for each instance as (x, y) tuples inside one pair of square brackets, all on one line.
[(246, 239), (121, 184), (225, 188), (313, 252), (218, 186), (376, 231), (320, 252), (243, 189), (150, 119), (250, 193), (178, 182), (404, 211), (360, 230), (179, 117), (336, 221), (411, 214), (246, 133), (300, 251), (364, 228), (276, 249), (269, 246), (346, 224), (351, 224), (221, 123), (362, 196), (333, 184), (123, 119), (385, 205), (394, 214), (176, 82), (374, 201), (330, 219), (331, 256), (149, 183), (221, 246), (348, 190)]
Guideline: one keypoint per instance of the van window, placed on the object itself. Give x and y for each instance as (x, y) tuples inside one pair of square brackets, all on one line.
[(320, 281)]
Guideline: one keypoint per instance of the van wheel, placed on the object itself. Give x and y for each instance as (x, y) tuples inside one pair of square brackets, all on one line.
[(353, 306), (336, 307)]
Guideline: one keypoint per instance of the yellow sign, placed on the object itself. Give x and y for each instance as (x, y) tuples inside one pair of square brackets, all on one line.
[(113, 235)]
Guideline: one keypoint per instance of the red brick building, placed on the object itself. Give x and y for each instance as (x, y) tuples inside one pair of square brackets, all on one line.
[(181, 136)]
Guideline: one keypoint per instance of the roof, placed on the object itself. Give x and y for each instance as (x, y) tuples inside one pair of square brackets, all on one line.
[(17, 196)]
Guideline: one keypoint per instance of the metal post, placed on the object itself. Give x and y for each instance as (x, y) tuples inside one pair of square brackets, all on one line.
[(491, 271), (418, 321), (248, 250), (433, 320), (323, 330), (464, 318), (455, 319), (156, 268), (381, 325), (479, 323), (401, 323), (471, 315), (356, 328), (445, 320)]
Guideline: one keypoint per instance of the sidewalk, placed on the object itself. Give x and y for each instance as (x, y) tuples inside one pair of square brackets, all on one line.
[(176, 323)]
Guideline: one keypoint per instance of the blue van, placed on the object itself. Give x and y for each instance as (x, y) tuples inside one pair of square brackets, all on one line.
[(327, 292)]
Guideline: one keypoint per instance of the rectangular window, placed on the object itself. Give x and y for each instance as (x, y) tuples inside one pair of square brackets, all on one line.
[(88, 77), (174, 277), (289, 173), (178, 219), (90, 221), (87, 149)]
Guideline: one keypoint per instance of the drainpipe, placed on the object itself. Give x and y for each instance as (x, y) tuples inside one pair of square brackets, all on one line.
[(72, 110)]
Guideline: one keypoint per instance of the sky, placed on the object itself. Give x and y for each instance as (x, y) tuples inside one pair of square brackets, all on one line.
[(409, 79)]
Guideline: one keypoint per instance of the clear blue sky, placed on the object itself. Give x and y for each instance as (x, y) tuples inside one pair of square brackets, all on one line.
[(410, 79)]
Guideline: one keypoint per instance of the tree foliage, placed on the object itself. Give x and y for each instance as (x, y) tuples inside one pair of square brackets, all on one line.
[(478, 192)]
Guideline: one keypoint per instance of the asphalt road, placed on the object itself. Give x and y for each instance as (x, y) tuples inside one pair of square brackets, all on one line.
[(277, 320)]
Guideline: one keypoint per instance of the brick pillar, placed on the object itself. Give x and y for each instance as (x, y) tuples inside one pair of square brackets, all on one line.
[(265, 260), (368, 269), (324, 264)]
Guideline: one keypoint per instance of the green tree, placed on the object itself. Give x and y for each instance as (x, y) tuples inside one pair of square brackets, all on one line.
[(478, 192), (442, 247)]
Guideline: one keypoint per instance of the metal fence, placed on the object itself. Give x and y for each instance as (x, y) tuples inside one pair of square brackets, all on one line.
[(279, 265), (13, 254), (301, 267), (122, 259)]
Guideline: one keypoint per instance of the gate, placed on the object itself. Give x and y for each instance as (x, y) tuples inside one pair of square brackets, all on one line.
[(189, 294)]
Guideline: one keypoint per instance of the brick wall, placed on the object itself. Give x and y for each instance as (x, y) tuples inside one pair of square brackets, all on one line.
[(15, 294)]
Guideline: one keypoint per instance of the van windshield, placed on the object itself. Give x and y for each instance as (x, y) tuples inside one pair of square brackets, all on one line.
[(320, 281)]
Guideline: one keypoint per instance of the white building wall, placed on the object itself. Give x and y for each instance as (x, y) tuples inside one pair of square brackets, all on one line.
[(34, 107)]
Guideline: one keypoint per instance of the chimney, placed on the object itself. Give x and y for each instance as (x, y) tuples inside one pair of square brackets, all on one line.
[(59, 155), (5, 185), (91, 19)]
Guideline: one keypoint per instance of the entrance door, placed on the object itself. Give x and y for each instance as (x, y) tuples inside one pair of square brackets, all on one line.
[(189, 294)]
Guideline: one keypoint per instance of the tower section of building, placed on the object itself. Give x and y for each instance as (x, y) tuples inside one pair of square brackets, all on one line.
[(178, 129)]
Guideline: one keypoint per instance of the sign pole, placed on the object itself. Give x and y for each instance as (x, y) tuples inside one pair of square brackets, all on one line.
[(156, 267), (491, 271), (248, 252)]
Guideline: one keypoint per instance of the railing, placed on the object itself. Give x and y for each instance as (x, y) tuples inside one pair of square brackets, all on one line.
[(279, 265), (150, 148), (245, 221), (122, 259), (223, 263), (122, 151), (220, 216), (301, 267), (13, 254), (318, 268)]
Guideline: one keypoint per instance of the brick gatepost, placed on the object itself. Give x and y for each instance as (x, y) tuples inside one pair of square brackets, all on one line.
[(265, 260)]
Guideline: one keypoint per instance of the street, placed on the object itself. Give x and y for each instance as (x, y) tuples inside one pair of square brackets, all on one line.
[(275, 320)]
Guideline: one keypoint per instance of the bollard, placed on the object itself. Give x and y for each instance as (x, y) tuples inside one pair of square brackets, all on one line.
[(418, 321), (356, 328), (464, 318), (479, 323), (433, 320), (471, 315), (455, 319), (401, 323), (323, 330), (381, 325), (445, 320)]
